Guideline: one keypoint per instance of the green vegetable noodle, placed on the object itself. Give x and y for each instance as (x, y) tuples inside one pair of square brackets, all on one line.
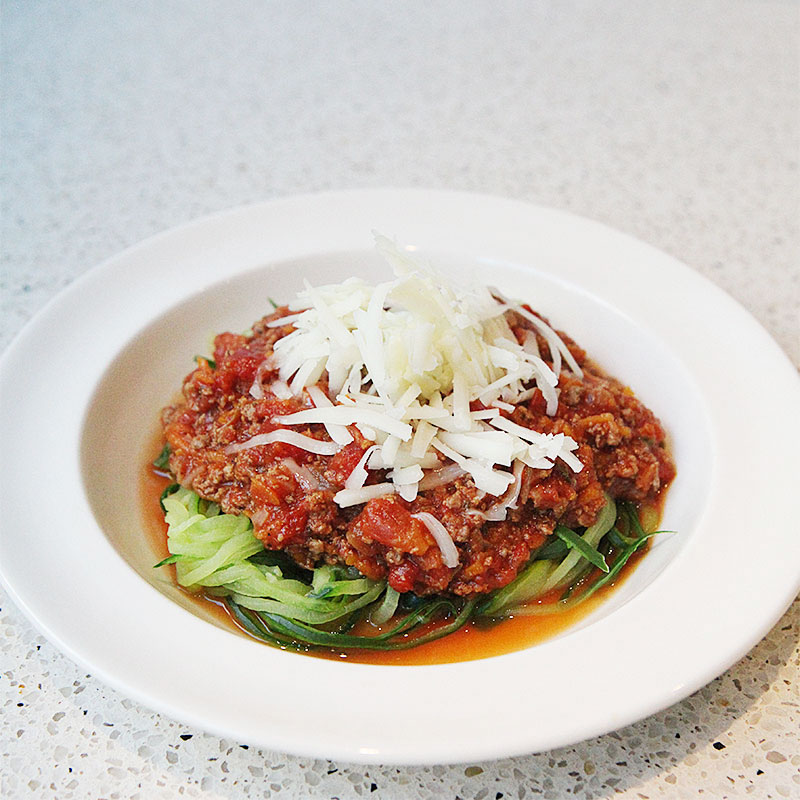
[(274, 600)]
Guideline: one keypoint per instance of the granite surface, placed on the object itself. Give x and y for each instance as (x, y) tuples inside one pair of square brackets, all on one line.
[(677, 122)]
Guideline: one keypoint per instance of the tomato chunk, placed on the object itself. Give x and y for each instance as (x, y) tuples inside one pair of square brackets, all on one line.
[(386, 521)]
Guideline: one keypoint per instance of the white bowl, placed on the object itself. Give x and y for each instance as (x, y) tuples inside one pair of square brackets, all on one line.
[(83, 385)]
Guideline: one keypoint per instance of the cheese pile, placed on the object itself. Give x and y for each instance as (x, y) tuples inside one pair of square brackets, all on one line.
[(403, 361)]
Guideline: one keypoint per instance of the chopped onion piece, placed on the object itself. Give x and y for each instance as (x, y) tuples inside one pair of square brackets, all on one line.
[(258, 517), (499, 510), (257, 389), (441, 477), (303, 475)]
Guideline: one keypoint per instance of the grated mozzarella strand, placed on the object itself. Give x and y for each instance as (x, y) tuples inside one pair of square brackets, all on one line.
[(287, 437), (354, 497), (338, 433), (348, 415), (406, 361), (356, 479), (443, 540)]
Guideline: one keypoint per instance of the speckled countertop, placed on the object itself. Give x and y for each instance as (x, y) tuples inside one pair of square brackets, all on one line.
[(676, 122)]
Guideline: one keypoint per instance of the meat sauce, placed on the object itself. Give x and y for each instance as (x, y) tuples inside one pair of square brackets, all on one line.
[(288, 492)]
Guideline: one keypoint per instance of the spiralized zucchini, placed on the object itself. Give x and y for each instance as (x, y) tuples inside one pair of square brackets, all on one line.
[(275, 600)]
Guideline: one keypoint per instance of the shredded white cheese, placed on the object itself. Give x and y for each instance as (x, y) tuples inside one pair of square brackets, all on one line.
[(338, 433), (357, 478), (441, 535), (354, 497), (404, 361), (288, 437)]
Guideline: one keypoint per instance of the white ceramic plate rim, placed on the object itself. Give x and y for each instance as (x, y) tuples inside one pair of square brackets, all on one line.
[(713, 604)]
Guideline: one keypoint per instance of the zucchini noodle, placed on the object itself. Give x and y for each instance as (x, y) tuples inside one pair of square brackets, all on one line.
[(276, 601)]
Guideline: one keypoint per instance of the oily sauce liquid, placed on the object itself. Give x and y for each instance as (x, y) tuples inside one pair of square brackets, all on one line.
[(470, 643)]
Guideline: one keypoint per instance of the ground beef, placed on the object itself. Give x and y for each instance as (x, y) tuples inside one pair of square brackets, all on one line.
[(621, 445)]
